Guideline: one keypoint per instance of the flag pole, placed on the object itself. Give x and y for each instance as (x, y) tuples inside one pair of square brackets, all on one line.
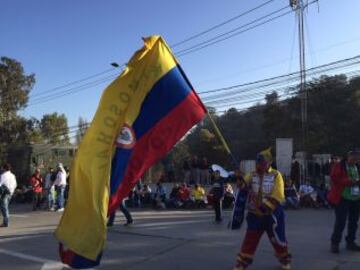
[(222, 140), (217, 131)]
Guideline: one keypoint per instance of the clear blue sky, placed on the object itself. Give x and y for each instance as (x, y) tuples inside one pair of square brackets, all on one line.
[(62, 41)]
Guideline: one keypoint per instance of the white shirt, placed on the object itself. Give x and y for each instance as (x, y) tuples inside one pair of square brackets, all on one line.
[(8, 179), (60, 179)]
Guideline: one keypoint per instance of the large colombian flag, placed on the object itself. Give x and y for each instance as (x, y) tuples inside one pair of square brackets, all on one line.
[(141, 115)]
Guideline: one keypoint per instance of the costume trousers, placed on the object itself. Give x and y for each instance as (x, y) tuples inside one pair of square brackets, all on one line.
[(275, 229)]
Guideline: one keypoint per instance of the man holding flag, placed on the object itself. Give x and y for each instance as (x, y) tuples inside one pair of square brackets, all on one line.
[(265, 193), (141, 115)]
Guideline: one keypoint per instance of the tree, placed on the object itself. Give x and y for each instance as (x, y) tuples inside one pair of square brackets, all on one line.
[(175, 159), (82, 127), (333, 124), (33, 130), (15, 87), (273, 118), (54, 128), (333, 108), (204, 143)]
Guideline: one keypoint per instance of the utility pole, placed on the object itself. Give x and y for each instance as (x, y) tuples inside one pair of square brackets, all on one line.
[(298, 6)]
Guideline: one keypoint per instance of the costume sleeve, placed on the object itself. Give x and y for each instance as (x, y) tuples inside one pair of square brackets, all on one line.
[(245, 182), (277, 195), (247, 178)]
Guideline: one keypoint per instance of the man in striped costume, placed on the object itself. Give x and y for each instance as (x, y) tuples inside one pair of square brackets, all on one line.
[(265, 213)]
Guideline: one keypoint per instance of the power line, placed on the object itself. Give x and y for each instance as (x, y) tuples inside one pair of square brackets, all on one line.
[(68, 130), (246, 96), (90, 84), (351, 60), (77, 81), (287, 95), (51, 146), (249, 99), (71, 90), (288, 90), (235, 88), (244, 99), (183, 52), (235, 93), (272, 81), (290, 59), (106, 78), (36, 95), (218, 37), (220, 24), (106, 71)]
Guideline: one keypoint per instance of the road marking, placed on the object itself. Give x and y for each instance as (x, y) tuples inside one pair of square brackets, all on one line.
[(17, 238), (46, 263), (169, 223), (52, 266), (158, 228), (20, 216), (169, 213), (25, 256)]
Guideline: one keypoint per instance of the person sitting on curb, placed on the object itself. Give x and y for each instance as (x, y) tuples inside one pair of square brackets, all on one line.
[(292, 197), (307, 195), (198, 195), (184, 196), (173, 197), (159, 200)]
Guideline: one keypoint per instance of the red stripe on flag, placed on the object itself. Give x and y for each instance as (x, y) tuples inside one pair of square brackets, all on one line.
[(157, 142)]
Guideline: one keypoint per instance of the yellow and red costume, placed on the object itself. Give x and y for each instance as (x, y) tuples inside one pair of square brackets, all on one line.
[(265, 214)]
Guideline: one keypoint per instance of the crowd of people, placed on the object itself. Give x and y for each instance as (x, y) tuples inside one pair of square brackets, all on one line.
[(263, 191), (306, 196), (199, 189), (47, 192), (182, 195)]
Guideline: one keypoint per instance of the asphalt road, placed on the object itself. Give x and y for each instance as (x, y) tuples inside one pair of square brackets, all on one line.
[(177, 240)]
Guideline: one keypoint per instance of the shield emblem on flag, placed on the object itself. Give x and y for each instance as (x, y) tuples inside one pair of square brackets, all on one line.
[(126, 138)]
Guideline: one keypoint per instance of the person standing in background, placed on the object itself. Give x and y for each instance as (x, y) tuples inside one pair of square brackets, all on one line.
[(60, 186), (126, 213), (7, 187), (217, 192), (36, 183), (50, 188), (345, 195)]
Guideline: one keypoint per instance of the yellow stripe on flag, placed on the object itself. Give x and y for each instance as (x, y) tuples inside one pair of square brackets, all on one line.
[(82, 228)]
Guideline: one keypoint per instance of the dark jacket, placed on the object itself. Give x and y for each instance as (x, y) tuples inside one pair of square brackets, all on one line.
[(218, 189)]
